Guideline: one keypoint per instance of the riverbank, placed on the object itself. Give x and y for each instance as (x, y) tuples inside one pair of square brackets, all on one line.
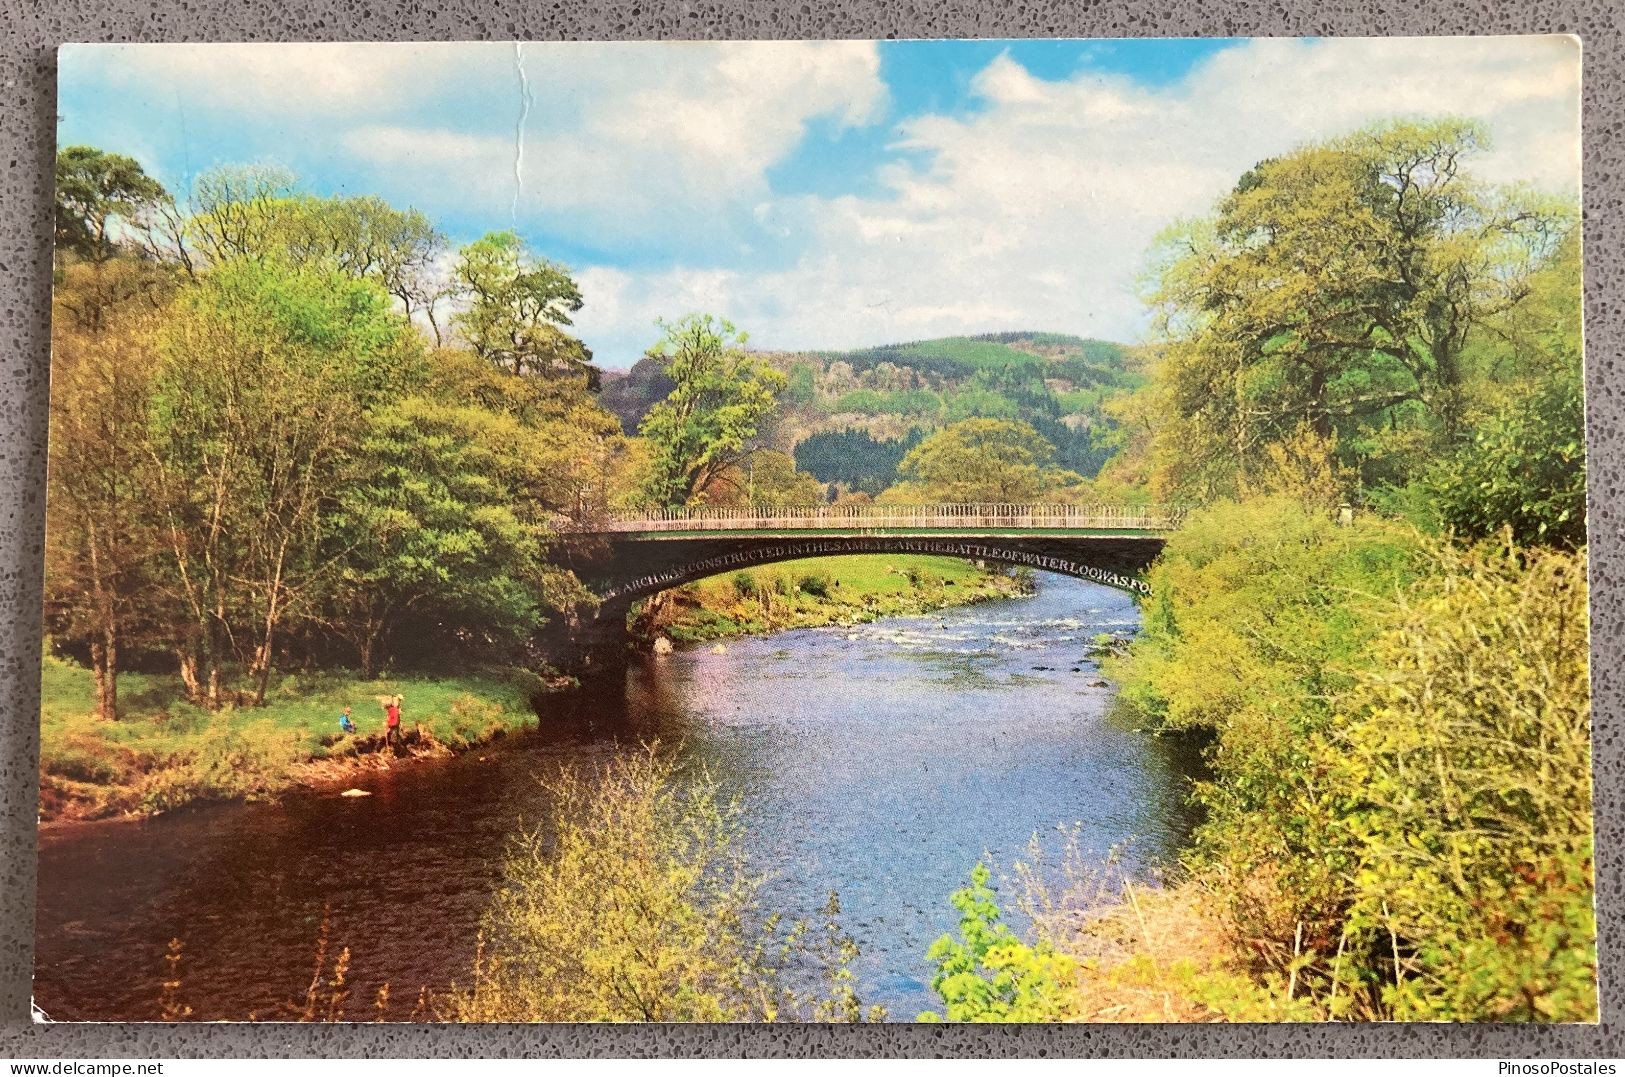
[(165, 752), (823, 591), (851, 755), (1365, 689)]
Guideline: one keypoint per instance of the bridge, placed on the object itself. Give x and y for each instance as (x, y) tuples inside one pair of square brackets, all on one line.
[(625, 556)]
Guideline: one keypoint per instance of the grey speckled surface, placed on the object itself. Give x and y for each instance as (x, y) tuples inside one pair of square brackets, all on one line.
[(29, 32)]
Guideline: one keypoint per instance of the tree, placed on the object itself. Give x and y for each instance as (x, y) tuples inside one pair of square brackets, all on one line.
[(706, 423), (437, 528), (1337, 285), (979, 461), (235, 213), (1523, 466), (766, 479), (265, 376), (255, 212), (101, 545), (517, 304), (578, 448), (93, 189)]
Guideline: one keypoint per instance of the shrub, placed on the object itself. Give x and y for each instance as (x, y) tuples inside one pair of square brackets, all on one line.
[(815, 584), (635, 903), (989, 974), (1467, 750), (744, 585), (921, 578)]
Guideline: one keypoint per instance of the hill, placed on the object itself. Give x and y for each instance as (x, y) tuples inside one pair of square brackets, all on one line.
[(850, 416)]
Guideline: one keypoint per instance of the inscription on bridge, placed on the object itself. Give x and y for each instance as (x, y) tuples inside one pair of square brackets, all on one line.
[(790, 551)]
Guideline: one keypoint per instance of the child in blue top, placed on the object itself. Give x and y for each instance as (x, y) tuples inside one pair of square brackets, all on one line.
[(344, 722)]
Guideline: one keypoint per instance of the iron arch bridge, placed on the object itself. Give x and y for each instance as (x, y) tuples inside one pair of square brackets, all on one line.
[(626, 556)]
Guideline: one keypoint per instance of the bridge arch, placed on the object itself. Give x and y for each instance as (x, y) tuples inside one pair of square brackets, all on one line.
[(704, 563)]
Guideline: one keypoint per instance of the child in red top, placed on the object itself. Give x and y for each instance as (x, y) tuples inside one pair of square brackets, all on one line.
[(392, 721)]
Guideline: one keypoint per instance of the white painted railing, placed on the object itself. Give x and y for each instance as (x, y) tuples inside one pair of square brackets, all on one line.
[(873, 516)]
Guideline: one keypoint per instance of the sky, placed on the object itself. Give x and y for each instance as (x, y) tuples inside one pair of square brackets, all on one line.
[(818, 194)]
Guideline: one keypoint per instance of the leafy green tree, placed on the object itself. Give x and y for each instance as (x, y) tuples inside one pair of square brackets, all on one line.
[(1523, 465), (364, 238), (705, 425), (767, 479), (1523, 471), (1337, 285), (265, 376), (583, 460), (437, 535), (854, 457), (979, 461), (101, 540), (255, 212), (93, 190), (234, 212), (516, 306)]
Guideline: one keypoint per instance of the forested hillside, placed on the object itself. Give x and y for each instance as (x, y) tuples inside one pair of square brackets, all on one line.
[(850, 417)]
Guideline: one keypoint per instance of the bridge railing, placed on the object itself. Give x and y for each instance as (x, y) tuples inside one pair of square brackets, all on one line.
[(882, 516)]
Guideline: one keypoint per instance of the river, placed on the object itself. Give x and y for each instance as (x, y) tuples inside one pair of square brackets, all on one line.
[(881, 760)]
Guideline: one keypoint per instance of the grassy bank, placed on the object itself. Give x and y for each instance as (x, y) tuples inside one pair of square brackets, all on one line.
[(1398, 819), (823, 591), (165, 752)]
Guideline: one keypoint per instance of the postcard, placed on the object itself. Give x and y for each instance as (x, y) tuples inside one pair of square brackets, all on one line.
[(824, 531)]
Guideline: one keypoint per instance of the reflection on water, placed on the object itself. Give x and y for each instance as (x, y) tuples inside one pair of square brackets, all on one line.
[(880, 760)]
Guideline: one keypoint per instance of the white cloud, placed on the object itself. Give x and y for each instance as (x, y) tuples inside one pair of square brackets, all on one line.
[(316, 78), (1036, 212), (641, 135)]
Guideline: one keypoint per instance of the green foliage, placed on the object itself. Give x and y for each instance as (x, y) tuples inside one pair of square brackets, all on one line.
[(763, 479), (516, 305), (1340, 286), (1264, 608), (635, 903), (705, 424), (258, 400), (814, 583), (854, 457), (1399, 814), (1465, 758), (94, 190), (979, 460), (1522, 470), (440, 533), (989, 973)]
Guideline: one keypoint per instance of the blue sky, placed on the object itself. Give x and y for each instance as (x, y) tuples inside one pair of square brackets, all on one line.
[(820, 194)]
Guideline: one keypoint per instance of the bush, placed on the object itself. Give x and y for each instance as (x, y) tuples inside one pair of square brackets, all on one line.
[(922, 578), (635, 903), (1523, 471), (815, 584), (744, 585), (989, 974), (1398, 822), (1467, 750)]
